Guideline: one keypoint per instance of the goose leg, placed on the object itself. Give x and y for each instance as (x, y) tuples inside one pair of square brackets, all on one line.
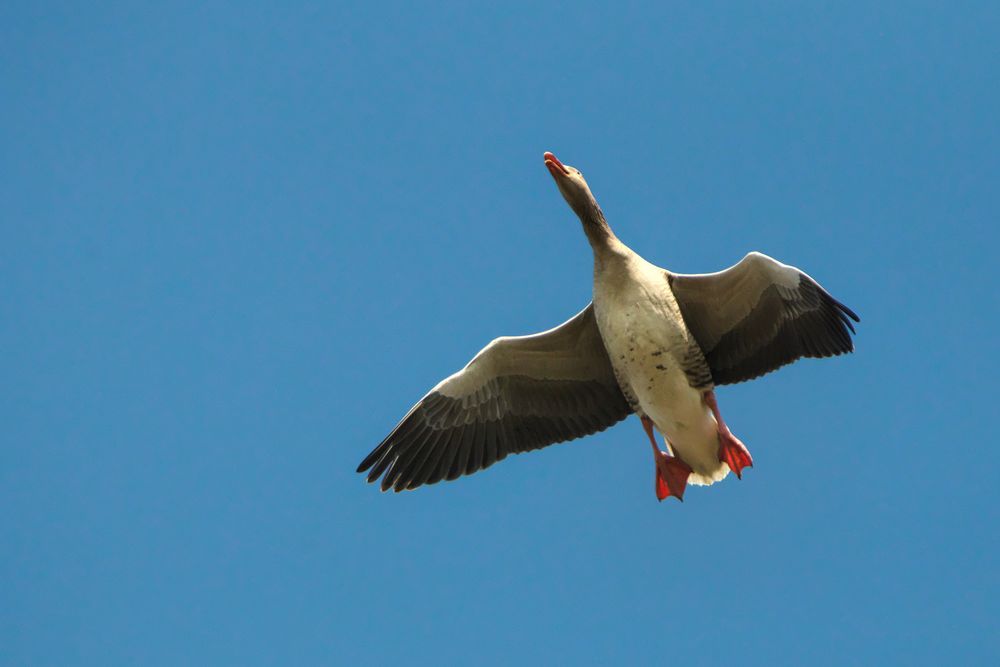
[(731, 450), (671, 472)]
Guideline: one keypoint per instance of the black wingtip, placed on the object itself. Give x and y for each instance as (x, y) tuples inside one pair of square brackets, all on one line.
[(840, 306), (850, 313), (844, 312), (847, 322)]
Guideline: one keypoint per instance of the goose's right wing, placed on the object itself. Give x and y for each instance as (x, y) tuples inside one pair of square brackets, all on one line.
[(518, 394)]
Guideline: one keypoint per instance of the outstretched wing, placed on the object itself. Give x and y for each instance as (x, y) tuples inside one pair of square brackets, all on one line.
[(759, 315), (518, 394)]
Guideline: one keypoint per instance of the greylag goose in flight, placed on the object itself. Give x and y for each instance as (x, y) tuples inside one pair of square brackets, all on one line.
[(652, 342)]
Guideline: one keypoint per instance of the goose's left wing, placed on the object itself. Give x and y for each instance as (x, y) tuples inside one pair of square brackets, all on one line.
[(759, 315)]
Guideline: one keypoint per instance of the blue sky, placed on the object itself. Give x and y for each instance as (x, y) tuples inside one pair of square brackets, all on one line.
[(237, 242)]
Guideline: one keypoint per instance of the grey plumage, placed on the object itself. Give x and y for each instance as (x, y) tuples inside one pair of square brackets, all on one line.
[(686, 334), (565, 390), (759, 315)]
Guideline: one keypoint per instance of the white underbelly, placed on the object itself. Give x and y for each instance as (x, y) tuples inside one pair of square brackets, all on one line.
[(646, 356), (686, 423)]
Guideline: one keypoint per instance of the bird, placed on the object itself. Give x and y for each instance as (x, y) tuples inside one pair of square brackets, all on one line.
[(652, 342)]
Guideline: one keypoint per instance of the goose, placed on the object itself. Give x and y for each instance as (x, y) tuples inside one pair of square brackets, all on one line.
[(651, 342)]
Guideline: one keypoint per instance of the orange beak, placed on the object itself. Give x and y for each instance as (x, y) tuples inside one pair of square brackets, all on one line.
[(556, 168)]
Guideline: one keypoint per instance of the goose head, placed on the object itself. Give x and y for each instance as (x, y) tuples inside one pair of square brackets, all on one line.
[(573, 187)]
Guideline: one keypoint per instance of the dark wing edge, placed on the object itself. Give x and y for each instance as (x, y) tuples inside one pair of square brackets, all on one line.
[(771, 314), (502, 403)]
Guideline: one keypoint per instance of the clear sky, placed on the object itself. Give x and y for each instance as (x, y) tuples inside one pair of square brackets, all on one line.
[(237, 242)]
